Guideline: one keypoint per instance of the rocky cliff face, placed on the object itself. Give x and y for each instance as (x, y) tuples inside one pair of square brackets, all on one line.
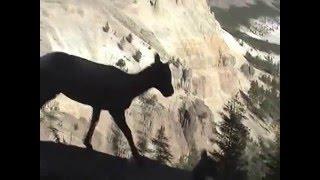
[(206, 70)]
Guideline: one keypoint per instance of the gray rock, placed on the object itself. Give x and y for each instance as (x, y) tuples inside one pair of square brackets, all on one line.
[(228, 60)]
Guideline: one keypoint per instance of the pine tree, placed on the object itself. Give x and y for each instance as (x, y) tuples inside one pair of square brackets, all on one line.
[(232, 143), (271, 157), (256, 92), (162, 151)]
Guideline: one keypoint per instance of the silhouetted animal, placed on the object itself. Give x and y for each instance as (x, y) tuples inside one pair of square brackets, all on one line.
[(100, 86)]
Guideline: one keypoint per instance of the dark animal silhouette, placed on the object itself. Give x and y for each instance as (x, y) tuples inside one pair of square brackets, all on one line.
[(100, 86)]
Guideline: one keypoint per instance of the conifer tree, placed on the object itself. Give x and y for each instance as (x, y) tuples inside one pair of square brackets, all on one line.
[(271, 157), (162, 151), (232, 143)]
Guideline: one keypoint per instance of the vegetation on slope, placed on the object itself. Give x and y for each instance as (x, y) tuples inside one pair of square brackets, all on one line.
[(264, 65), (232, 143), (162, 150), (265, 102)]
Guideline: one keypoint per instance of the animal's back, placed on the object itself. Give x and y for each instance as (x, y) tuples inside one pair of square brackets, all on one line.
[(66, 65), (80, 79)]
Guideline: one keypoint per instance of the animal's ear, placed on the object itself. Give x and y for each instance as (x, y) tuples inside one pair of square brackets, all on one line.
[(157, 59)]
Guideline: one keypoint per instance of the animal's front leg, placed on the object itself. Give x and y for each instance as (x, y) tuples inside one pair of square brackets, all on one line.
[(94, 121), (120, 120)]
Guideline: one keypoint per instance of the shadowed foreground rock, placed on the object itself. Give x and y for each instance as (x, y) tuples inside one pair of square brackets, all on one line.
[(59, 161)]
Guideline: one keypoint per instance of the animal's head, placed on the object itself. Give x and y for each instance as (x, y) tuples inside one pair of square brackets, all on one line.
[(163, 77)]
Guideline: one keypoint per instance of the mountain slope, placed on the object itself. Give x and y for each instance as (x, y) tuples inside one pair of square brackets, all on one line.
[(206, 70)]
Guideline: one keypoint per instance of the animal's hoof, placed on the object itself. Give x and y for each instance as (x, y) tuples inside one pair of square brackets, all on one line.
[(137, 160), (88, 145)]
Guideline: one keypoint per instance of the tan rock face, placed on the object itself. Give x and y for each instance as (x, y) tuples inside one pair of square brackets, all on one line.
[(205, 71)]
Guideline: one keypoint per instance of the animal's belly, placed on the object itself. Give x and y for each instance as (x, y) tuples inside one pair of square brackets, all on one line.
[(99, 100), (85, 95)]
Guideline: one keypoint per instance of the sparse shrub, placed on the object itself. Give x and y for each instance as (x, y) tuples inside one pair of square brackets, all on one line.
[(121, 63), (137, 56), (153, 2), (121, 43), (106, 27), (129, 38), (120, 46)]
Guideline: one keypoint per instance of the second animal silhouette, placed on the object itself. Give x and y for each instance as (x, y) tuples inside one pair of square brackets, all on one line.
[(100, 86)]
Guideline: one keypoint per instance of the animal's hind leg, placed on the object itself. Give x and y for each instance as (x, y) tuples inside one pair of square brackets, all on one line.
[(94, 121), (119, 119)]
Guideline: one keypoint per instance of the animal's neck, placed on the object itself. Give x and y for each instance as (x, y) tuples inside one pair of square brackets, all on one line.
[(142, 82)]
